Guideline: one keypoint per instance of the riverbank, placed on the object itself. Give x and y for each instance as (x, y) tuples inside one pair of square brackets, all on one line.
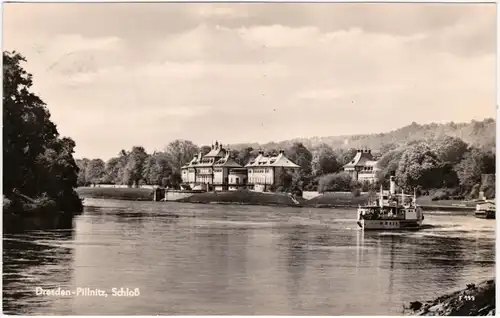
[(474, 300), (325, 200), (244, 198), (41, 214), (131, 194)]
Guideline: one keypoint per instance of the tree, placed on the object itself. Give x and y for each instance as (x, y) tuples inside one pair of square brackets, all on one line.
[(417, 167), (335, 182), (474, 164), (450, 149), (243, 156), (26, 127), (205, 149), (58, 175), (82, 167), (112, 171), (345, 156), (133, 170), (388, 165), (37, 163), (299, 154), (157, 170), (180, 152), (94, 172), (324, 161)]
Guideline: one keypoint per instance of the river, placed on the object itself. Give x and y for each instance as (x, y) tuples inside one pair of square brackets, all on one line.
[(240, 260)]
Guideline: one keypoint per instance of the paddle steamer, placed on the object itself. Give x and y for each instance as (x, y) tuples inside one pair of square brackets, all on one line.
[(391, 211), (485, 209)]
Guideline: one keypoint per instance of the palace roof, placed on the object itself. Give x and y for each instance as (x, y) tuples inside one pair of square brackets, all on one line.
[(362, 158), (217, 151), (216, 157), (228, 161), (279, 161)]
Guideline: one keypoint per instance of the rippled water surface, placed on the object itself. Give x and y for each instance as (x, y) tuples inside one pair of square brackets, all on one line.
[(212, 259)]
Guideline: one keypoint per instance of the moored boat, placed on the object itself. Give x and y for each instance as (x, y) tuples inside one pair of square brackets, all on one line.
[(485, 209), (391, 211)]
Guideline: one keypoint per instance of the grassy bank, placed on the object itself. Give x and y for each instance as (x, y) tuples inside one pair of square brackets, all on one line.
[(474, 300), (337, 199), (242, 197), (133, 194), (445, 205), (346, 199), (325, 200)]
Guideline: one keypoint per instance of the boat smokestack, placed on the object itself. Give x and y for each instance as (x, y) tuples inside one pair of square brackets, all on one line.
[(392, 187)]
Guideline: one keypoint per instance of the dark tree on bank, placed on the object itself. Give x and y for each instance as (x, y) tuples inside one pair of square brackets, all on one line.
[(35, 160)]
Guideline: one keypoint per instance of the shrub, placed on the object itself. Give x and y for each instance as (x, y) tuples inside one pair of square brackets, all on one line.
[(356, 192), (335, 182), (441, 194)]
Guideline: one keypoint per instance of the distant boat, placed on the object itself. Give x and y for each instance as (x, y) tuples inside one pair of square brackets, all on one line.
[(485, 209), (391, 211)]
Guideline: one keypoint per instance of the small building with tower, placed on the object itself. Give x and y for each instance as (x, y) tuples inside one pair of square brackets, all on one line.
[(363, 167)]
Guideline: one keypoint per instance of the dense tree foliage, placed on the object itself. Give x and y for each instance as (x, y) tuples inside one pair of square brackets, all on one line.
[(427, 165), (449, 149), (37, 162), (324, 161), (474, 164), (335, 182), (94, 171), (475, 133), (180, 152)]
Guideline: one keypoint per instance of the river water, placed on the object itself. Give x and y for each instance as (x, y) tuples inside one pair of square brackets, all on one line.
[(213, 259)]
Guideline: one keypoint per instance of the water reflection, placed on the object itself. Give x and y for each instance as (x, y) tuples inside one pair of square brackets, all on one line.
[(241, 260), (41, 259), (297, 243)]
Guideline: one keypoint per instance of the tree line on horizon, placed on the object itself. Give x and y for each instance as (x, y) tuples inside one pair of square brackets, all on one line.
[(444, 167)]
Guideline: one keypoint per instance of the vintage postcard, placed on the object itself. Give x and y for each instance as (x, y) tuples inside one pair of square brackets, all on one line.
[(249, 158)]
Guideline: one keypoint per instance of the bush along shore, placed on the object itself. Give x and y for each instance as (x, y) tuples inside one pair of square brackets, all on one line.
[(132, 194), (474, 300), (26, 214), (325, 200)]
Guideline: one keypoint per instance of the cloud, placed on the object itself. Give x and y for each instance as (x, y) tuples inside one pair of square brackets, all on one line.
[(217, 11), (252, 72), (278, 36)]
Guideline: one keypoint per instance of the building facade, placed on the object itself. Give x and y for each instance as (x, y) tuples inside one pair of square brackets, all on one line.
[(363, 167), (264, 172), (209, 171), (217, 170)]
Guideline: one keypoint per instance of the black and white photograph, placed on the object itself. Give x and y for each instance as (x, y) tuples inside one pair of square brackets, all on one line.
[(249, 158)]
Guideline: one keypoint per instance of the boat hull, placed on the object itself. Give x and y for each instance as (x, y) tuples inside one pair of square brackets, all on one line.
[(485, 215), (390, 224)]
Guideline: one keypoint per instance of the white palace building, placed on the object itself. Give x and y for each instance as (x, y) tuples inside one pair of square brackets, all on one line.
[(217, 170)]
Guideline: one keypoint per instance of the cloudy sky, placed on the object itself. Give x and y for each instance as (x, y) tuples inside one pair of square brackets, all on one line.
[(118, 75)]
